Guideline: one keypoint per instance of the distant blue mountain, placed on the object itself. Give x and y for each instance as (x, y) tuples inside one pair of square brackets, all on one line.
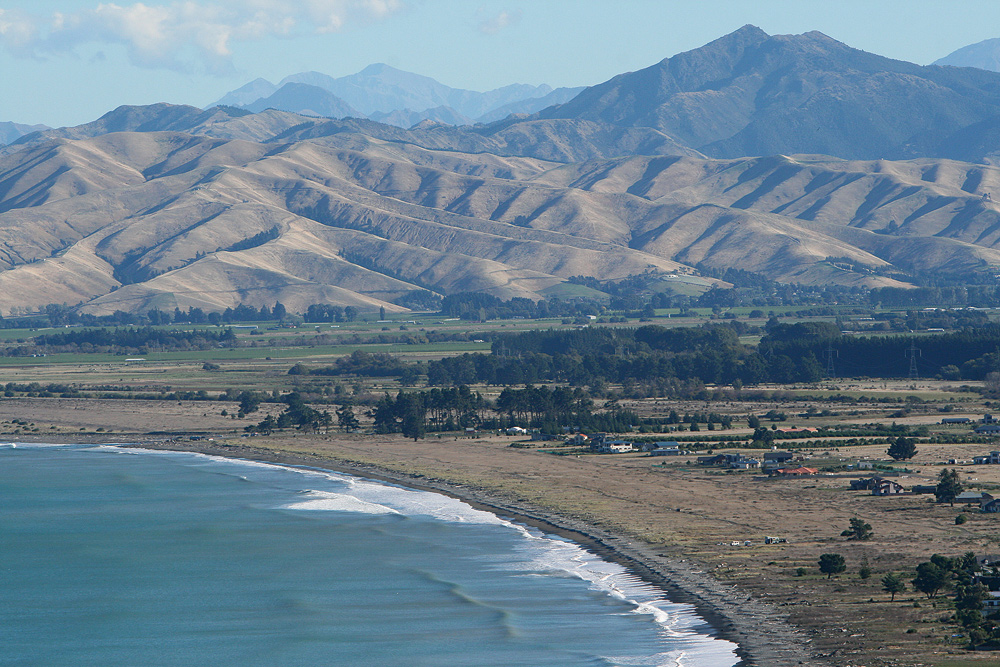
[(984, 55), (11, 132), (393, 96), (304, 99)]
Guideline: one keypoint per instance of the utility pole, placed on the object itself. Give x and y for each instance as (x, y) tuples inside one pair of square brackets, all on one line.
[(830, 354), (913, 353)]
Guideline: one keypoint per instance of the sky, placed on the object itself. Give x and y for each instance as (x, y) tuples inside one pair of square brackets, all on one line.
[(66, 62)]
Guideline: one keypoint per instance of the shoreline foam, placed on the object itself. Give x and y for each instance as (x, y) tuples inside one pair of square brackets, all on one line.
[(763, 638)]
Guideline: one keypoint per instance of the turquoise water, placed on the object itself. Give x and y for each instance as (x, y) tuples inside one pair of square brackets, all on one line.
[(128, 557)]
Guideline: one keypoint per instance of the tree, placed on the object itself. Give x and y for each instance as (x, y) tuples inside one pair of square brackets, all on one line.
[(930, 579), (325, 420), (948, 487), (249, 402), (902, 449), (831, 564), (892, 583), (381, 313), (859, 530), (414, 415), (346, 419), (384, 415), (279, 312), (266, 426)]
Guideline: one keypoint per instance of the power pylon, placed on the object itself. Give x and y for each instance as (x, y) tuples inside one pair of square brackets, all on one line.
[(830, 354), (913, 353)]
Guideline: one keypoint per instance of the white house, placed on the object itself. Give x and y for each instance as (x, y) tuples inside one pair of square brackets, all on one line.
[(992, 457), (615, 447)]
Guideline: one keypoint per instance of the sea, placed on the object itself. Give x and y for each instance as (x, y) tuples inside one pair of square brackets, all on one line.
[(113, 556)]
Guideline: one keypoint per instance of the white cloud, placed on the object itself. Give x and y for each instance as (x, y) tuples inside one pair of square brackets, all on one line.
[(495, 24), (17, 30), (176, 34)]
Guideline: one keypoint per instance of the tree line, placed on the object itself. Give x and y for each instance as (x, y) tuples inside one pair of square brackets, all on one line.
[(713, 354)]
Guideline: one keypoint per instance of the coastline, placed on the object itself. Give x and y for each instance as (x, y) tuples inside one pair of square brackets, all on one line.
[(762, 636)]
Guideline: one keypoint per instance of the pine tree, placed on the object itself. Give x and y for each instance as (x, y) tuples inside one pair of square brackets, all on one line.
[(859, 530), (902, 449), (831, 564), (346, 419), (948, 487), (892, 583)]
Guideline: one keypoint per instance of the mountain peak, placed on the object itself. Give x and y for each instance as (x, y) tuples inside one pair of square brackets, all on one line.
[(750, 30), (377, 68), (983, 55)]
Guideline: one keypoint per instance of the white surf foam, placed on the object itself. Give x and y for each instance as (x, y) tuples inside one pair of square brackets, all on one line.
[(338, 502), (676, 621)]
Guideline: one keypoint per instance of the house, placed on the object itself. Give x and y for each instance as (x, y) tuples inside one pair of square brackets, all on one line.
[(991, 458), (867, 483), (973, 497), (796, 472), (887, 487), (989, 561), (988, 419), (991, 506), (517, 430), (665, 449), (987, 428), (992, 603), (778, 457), (736, 461), (615, 447), (579, 440)]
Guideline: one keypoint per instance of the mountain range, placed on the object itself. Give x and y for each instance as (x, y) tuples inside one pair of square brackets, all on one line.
[(389, 95), (793, 156)]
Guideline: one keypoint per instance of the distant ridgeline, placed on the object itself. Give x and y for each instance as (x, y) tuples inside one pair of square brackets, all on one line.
[(635, 296)]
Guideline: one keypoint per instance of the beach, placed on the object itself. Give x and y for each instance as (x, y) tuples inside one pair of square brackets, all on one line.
[(763, 635), (697, 532)]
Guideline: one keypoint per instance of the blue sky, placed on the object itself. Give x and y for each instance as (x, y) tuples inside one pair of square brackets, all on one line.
[(66, 62)]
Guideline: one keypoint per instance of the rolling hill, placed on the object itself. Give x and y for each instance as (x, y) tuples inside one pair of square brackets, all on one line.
[(136, 220), (653, 171)]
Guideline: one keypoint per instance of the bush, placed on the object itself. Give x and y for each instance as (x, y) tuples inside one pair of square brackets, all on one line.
[(960, 519)]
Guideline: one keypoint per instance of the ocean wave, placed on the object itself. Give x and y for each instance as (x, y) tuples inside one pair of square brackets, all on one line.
[(327, 501)]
